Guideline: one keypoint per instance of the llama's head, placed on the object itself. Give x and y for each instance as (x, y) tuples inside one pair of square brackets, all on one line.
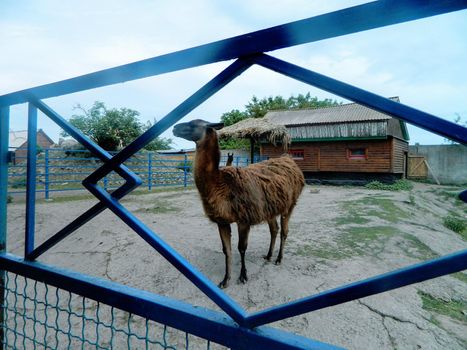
[(196, 129)]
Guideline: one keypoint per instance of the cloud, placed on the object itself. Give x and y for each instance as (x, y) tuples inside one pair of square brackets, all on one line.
[(50, 40)]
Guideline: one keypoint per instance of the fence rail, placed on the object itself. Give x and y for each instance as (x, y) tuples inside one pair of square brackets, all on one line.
[(59, 170)]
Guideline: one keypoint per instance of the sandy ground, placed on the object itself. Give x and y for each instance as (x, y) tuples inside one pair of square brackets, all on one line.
[(325, 249)]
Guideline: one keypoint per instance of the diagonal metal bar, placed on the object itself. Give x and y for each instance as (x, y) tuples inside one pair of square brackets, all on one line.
[(132, 181), (95, 149), (181, 264), (411, 115), (204, 93), (382, 283), (227, 304), (77, 223), (347, 21)]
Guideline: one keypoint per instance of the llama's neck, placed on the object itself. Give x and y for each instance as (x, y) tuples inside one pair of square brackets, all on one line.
[(207, 162)]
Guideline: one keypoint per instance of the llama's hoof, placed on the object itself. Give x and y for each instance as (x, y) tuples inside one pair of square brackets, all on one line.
[(224, 284), (243, 279), (278, 262), (266, 257)]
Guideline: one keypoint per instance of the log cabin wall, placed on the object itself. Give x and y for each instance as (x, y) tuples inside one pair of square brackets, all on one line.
[(400, 151), (380, 156)]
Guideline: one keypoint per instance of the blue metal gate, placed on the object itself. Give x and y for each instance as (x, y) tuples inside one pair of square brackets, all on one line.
[(234, 328)]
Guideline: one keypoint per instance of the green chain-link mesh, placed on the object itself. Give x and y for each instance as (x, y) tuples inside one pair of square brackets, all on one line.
[(38, 316)]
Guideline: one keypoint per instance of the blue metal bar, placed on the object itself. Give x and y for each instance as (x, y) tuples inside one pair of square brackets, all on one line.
[(149, 171), (76, 223), (185, 164), (31, 181), (347, 21), (198, 321), (4, 132), (399, 278), (204, 93), (132, 180), (180, 263), (411, 115), (46, 172)]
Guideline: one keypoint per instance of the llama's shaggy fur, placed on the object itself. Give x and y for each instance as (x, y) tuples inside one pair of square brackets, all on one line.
[(253, 194), (247, 196)]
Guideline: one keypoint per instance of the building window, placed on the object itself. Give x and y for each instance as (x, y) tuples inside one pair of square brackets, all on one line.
[(357, 153), (297, 154)]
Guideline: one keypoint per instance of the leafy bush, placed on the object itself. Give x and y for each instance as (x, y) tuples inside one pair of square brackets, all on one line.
[(188, 164), (19, 182), (9, 199), (455, 224), (399, 185)]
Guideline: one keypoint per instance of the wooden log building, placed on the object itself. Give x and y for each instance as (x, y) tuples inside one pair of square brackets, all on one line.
[(348, 143)]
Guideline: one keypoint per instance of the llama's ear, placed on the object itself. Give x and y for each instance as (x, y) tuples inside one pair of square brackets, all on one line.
[(216, 126)]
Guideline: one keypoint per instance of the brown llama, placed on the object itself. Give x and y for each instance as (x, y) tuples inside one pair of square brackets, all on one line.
[(229, 159), (248, 196)]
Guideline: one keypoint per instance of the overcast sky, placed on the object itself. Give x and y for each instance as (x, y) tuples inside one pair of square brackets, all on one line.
[(423, 62)]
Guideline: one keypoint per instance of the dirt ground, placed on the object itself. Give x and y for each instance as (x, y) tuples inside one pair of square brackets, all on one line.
[(337, 235)]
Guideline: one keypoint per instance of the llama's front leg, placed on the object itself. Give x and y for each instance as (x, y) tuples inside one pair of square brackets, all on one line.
[(273, 229), (225, 233), (284, 232), (243, 231)]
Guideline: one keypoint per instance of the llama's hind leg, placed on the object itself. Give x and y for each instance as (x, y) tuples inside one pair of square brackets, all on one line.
[(273, 229), (225, 233), (284, 232), (243, 232)]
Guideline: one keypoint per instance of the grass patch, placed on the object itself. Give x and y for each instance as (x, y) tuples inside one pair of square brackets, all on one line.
[(358, 212), (399, 185), (460, 276), (451, 195), (322, 250), (352, 241), (414, 248), (455, 309), (363, 240), (158, 207), (456, 224)]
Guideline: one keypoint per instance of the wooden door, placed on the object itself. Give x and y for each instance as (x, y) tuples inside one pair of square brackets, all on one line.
[(416, 167)]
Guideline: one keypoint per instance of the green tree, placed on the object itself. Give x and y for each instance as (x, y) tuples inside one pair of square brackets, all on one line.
[(113, 128), (458, 120)]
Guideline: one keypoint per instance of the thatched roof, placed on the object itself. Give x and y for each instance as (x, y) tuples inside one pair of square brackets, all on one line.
[(256, 129)]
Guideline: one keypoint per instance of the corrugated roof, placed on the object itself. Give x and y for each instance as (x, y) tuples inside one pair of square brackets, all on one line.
[(345, 113)]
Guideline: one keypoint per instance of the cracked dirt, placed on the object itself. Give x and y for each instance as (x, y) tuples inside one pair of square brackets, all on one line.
[(337, 235)]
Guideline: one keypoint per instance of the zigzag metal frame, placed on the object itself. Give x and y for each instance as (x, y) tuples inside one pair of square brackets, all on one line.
[(249, 50)]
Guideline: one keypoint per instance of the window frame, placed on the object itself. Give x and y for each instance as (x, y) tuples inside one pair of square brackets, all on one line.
[(351, 156), (297, 151)]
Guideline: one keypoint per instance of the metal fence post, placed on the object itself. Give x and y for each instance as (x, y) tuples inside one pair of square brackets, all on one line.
[(185, 164), (46, 168), (4, 130), (31, 180), (149, 171)]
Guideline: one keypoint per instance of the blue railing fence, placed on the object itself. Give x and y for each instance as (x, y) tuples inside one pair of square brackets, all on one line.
[(234, 327), (61, 170)]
